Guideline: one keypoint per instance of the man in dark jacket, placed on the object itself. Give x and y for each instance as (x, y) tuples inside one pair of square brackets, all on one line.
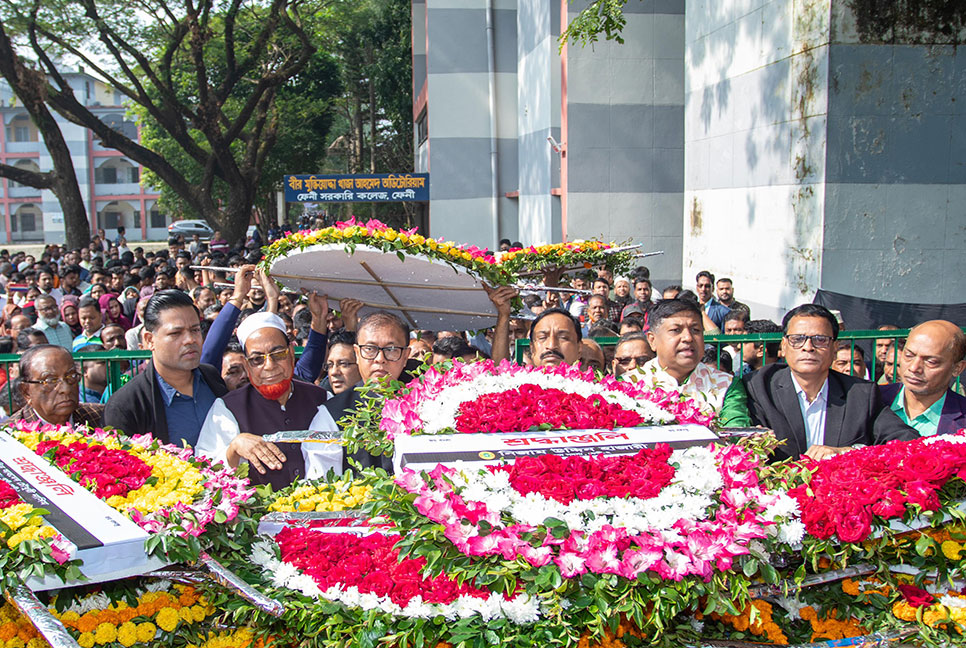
[(171, 397), (817, 412), (934, 354)]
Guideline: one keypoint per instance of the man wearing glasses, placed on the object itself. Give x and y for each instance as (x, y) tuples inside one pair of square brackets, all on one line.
[(273, 401), (48, 384), (632, 351), (817, 412)]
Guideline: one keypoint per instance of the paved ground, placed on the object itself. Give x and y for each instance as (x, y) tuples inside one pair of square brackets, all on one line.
[(37, 248)]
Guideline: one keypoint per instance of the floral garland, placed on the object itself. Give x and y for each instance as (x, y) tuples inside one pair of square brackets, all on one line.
[(380, 236), (695, 524), (505, 397), (367, 572), (849, 493), (117, 616), (586, 254), (183, 497), (34, 547)]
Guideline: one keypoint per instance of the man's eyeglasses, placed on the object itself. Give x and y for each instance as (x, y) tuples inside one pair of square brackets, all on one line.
[(818, 341), (390, 353), (627, 361), (341, 364), (71, 379), (259, 359)]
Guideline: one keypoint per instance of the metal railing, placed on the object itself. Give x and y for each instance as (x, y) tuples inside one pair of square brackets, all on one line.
[(121, 367), (719, 341)]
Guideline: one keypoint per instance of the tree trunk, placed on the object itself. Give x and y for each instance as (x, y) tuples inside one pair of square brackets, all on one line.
[(30, 87)]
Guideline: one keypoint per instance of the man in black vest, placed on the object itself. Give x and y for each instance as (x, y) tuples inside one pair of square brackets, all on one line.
[(272, 402)]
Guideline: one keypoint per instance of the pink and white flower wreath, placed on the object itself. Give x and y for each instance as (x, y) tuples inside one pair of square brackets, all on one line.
[(712, 511), (431, 404)]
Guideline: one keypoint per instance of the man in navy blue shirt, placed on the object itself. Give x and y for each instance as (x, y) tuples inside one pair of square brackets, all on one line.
[(171, 397)]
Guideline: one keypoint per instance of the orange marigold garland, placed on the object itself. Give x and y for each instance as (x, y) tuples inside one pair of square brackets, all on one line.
[(831, 627)]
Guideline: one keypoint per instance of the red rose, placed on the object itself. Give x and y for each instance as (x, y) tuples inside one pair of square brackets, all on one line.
[(916, 597), (854, 527), (922, 494)]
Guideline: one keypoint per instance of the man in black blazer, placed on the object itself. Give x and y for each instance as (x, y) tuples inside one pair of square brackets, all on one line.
[(171, 397), (817, 412), (934, 354)]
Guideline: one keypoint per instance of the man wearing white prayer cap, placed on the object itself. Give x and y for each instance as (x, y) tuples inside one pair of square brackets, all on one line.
[(273, 402)]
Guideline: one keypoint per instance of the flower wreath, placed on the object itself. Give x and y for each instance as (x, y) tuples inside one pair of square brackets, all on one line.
[(375, 234), (850, 494), (184, 501), (33, 547), (124, 613), (586, 254), (488, 397)]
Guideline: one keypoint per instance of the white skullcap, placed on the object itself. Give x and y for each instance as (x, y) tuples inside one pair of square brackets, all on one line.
[(257, 321)]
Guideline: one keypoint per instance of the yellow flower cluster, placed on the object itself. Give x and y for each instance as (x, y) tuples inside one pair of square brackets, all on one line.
[(16, 631), (24, 524), (332, 234), (128, 625), (241, 638), (177, 481), (557, 249), (936, 615), (337, 496)]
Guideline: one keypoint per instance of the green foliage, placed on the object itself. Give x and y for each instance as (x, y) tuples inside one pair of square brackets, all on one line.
[(600, 17)]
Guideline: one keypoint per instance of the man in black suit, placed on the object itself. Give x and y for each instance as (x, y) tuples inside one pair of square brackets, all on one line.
[(171, 397), (817, 412), (934, 354), (381, 349)]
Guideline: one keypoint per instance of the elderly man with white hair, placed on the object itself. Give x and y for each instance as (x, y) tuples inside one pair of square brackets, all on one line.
[(273, 402)]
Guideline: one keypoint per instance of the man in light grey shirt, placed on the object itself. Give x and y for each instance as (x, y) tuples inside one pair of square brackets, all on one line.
[(48, 322)]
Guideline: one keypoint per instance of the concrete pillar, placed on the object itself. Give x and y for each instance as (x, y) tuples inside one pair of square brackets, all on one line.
[(824, 149)]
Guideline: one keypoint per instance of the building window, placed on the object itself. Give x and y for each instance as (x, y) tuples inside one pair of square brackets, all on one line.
[(28, 221), (108, 173), (422, 127), (158, 219)]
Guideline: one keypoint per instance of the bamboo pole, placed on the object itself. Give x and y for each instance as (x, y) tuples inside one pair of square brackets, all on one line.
[(372, 273)]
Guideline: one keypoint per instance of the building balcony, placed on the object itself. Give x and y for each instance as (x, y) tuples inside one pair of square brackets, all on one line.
[(117, 189), (23, 147), (22, 192)]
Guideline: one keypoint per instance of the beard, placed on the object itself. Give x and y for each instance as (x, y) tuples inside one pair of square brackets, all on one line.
[(275, 390), (52, 322)]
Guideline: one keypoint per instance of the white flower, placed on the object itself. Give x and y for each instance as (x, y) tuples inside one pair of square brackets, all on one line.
[(791, 533)]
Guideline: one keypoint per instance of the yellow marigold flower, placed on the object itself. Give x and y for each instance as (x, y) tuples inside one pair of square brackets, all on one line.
[(952, 550), (69, 617), (390, 235), (37, 642), (86, 640), (185, 614), (127, 634), (168, 619), (467, 256), (105, 633), (146, 632), (198, 613), (16, 642)]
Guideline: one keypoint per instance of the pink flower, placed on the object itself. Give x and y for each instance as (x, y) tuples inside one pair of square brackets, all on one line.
[(571, 565)]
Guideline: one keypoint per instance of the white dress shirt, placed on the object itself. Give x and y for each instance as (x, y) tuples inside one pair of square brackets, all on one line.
[(221, 427), (813, 413)]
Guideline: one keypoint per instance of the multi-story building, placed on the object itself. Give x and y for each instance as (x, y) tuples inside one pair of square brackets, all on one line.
[(109, 182), (529, 141), (799, 147)]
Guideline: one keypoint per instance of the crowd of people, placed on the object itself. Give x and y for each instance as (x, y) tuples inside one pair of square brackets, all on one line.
[(223, 372)]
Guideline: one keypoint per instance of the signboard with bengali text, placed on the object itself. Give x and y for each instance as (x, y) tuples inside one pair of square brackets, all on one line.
[(373, 187), (424, 452), (110, 545)]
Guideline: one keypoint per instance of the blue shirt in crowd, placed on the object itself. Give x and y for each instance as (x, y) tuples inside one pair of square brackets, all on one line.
[(186, 414)]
